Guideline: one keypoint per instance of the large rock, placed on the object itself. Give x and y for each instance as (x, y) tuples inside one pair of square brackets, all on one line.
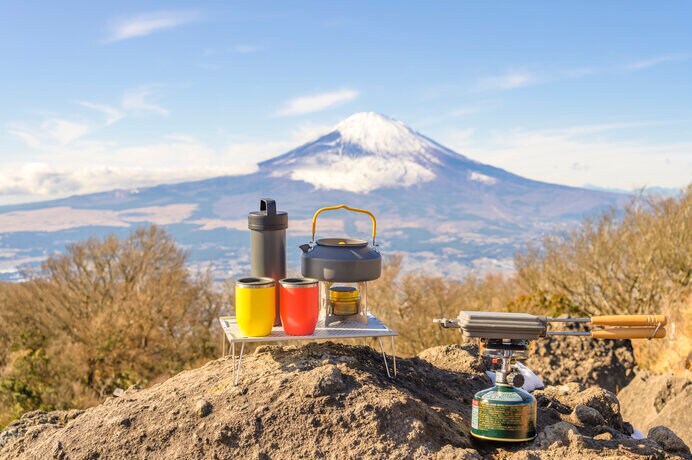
[(563, 359), (666, 438), (324, 401), (651, 400)]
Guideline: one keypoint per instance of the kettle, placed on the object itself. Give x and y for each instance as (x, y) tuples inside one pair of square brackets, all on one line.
[(343, 260)]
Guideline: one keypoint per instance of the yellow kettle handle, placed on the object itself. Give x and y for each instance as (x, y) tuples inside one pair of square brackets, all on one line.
[(348, 208)]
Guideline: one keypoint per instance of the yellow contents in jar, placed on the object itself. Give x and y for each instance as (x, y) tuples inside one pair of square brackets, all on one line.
[(345, 300)]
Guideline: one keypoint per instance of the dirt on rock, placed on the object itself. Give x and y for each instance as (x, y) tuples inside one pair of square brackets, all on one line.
[(325, 401), (609, 364), (651, 400)]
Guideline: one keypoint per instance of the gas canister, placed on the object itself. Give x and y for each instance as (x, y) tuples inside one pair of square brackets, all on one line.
[(503, 413)]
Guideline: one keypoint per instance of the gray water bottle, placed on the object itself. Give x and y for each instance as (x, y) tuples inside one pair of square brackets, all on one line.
[(268, 244)]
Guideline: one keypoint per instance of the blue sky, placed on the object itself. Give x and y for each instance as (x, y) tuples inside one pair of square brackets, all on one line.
[(98, 95)]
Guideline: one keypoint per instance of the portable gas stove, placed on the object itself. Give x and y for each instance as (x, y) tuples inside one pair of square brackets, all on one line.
[(505, 412)]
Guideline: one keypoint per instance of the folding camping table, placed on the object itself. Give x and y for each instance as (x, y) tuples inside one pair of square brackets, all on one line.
[(342, 330)]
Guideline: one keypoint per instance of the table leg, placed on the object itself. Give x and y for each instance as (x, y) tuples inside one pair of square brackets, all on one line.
[(394, 355), (236, 373), (384, 357), (223, 344)]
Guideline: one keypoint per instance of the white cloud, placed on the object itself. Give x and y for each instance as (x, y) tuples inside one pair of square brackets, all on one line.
[(145, 24), (509, 80), (133, 100), (260, 150), (654, 61), (139, 99), (36, 180), (519, 79), (245, 49), (93, 166), (54, 131), (112, 114), (317, 102), (64, 131), (582, 155)]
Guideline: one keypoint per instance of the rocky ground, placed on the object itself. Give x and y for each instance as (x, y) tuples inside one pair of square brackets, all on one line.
[(651, 400), (609, 364), (329, 401)]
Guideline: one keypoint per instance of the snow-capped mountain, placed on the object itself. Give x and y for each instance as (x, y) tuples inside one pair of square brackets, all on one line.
[(442, 210), (365, 152)]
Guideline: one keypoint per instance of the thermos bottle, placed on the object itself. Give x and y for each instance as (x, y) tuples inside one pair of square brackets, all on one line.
[(268, 245)]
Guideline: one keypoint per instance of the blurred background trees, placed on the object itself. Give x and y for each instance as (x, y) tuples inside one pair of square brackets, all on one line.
[(632, 261), (110, 313)]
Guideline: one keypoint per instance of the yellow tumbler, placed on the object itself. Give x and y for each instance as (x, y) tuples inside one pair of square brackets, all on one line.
[(255, 305)]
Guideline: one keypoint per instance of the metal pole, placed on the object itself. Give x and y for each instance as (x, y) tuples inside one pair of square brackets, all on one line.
[(384, 357), (568, 320), (240, 362), (569, 333), (394, 355)]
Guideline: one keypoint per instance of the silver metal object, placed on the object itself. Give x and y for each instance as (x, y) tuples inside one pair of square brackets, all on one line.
[(344, 330)]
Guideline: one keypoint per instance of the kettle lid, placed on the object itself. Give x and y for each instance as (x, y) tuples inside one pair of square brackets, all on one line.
[(342, 243), (267, 218)]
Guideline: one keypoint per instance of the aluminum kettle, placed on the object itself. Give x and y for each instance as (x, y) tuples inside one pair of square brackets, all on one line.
[(343, 260)]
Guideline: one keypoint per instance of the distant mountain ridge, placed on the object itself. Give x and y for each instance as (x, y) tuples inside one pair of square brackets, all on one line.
[(445, 212)]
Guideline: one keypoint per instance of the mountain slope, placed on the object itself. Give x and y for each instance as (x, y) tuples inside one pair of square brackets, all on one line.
[(446, 212)]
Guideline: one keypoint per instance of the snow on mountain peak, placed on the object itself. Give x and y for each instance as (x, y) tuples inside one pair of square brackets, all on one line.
[(379, 134), (364, 152)]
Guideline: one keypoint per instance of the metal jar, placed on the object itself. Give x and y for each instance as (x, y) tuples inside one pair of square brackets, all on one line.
[(299, 305), (255, 305)]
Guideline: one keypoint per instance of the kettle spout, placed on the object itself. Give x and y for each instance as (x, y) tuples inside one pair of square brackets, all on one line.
[(304, 247)]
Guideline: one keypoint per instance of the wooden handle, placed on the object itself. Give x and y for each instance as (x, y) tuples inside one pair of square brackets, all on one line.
[(629, 320), (629, 333)]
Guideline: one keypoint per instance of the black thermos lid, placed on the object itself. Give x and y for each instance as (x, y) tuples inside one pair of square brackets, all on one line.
[(267, 218)]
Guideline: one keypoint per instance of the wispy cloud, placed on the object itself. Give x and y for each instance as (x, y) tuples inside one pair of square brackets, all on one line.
[(657, 60), (88, 166), (64, 131), (242, 48), (519, 79), (140, 99), (134, 100), (145, 24), (583, 154), (41, 179), (112, 114), (316, 102), (510, 80), (245, 49), (51, 132)]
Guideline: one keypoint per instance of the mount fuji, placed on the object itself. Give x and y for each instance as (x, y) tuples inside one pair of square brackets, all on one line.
[(443, 211)]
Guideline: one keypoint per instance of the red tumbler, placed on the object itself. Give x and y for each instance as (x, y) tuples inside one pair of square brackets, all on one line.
[(299, 305)]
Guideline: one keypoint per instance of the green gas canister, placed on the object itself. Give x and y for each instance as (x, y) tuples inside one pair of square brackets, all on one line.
[(503, 413)]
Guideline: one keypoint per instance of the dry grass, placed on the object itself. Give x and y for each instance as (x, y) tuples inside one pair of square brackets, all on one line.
[(674, 352)]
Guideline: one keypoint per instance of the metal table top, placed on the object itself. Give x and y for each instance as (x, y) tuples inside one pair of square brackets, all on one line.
[(343, 330)]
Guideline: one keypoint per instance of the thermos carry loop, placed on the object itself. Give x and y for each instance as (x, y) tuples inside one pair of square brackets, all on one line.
[(268, 205)]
